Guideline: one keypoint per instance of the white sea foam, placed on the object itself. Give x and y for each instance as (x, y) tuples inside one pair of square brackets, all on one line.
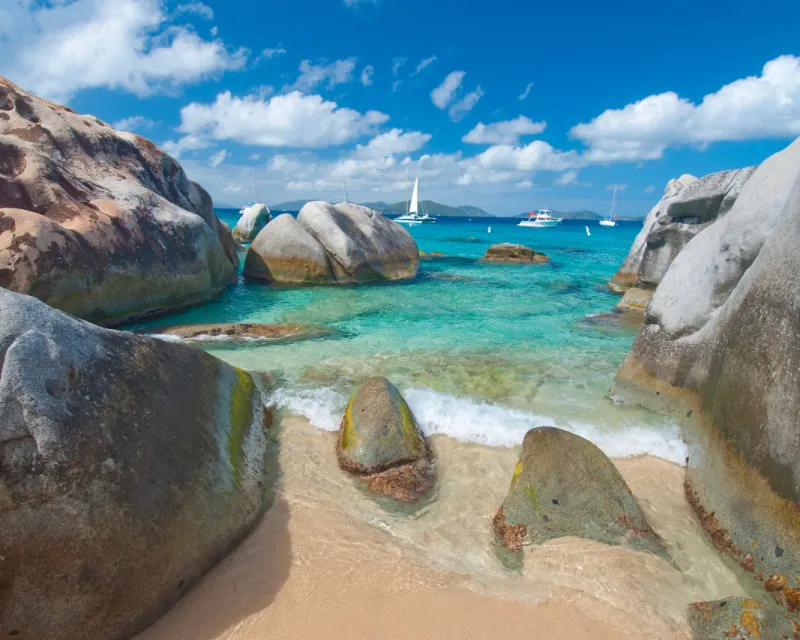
[(472, 420), (165, 337)]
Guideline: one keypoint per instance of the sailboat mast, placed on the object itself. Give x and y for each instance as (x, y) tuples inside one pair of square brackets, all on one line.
[(346, 197), (407, 192), (256, 196), (614, 205)]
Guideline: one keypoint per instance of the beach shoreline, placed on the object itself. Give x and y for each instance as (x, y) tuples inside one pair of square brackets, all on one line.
[(327, 560)]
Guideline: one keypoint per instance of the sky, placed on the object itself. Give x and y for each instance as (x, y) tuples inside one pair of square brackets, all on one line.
[(505, 105)]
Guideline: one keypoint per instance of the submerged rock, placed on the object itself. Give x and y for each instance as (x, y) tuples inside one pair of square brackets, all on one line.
[(565, 486), (98, 222), (432, 255), (341, 243), (128, 467), (253, 220), (740, 619), (635, 299), (240, 331), (507, 252), (721, 344), (379, 440)]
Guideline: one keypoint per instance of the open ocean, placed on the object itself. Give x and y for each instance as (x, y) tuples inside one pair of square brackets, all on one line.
[(482, 352)]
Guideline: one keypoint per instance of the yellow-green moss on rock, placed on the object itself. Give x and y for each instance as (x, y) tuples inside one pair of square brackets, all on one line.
[(379, 439), (564, 485), (241, 419)]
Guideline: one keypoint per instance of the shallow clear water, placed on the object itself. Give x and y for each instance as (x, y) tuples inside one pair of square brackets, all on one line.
[(483, 351)]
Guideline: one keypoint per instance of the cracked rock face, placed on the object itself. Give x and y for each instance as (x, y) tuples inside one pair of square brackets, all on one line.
[(342, 243), (128, 467), (98, 222)]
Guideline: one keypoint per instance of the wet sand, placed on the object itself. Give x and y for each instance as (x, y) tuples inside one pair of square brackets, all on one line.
[(329, 562)]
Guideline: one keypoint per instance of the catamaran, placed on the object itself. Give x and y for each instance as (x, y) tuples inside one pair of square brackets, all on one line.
[(541, 220), (611, 221), (412, 215)]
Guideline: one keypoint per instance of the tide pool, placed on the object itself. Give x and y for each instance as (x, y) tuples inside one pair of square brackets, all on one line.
[(483, 351)]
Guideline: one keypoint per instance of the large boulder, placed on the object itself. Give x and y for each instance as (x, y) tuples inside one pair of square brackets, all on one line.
[(128, 467), (514, 253), (253, 220), (285, 252), (721, 347), (98, 222), (379, 441), (689, 205), (244, 331), (342, 243), (625, 277), (565, 486)]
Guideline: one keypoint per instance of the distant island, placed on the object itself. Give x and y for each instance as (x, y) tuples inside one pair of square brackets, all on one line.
[(433, 208)]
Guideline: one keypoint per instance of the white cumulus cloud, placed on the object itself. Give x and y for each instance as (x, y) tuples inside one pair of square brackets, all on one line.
[(527, 91), (198, 8), (218, 158), (134, 123), (289, 120), (272, 52), (366, 75), (505, 132), (398, 63), (424, 63), (765, 106), (567, 178), (392, 142), (60, 48), (459, 109), (444, 94), (332, 74)]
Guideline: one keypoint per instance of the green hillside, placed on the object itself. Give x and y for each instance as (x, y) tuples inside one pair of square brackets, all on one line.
[(437, 209)]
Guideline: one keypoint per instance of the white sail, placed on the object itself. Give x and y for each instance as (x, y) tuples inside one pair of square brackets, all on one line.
[(414, 195)]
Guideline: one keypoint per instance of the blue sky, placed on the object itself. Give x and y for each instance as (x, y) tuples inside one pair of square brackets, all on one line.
[(505, 105)]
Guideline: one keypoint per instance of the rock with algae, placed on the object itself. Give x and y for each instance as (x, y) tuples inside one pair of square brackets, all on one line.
[(740, 619), (128, 467), (564, 485), (379, 440), (514, 253)]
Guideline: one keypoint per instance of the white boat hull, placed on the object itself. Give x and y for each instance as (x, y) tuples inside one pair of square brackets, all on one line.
[(608, 223), (539, 224)]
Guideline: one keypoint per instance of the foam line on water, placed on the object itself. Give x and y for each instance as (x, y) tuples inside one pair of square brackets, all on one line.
[(472, 420)]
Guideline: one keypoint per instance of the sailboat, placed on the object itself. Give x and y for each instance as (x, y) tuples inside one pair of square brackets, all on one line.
[(256, 196), (611, 221), (412, 215)]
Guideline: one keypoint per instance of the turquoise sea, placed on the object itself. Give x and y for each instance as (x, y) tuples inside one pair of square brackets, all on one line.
[(482, 351)]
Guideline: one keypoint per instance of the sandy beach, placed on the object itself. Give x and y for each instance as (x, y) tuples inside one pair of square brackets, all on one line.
[(327, 561)]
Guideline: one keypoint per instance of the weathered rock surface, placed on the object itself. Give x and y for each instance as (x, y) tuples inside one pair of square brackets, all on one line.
[(128, 467), (740, 619), (565, 486), (689, 205), (253, 220), (286, 252), (241, 331), (625, 277), (341, 243), (98, 222), (507, 252), (721, 343), (380, 441), (432, 255)]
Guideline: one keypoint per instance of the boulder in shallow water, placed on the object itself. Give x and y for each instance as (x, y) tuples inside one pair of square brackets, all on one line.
[(516, 253), (564, 485), (635, 299), (379, 440), (740, 619), (128, 467), (98, 222), (284, 251), (721, 349), (362, 244), (341, 243), (253, 220), (242, 331)]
